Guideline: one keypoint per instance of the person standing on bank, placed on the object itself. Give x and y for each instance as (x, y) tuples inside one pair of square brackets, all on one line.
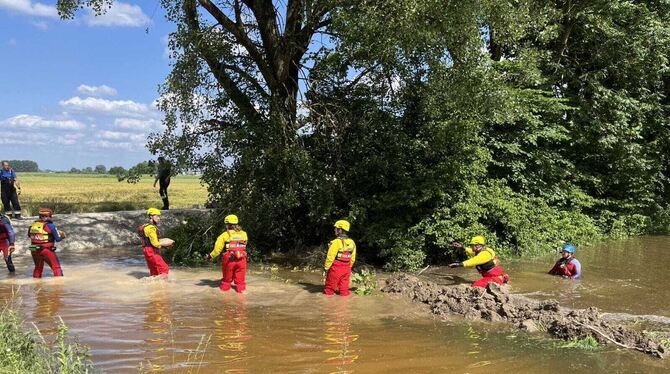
[(11, 189), (163, 180)]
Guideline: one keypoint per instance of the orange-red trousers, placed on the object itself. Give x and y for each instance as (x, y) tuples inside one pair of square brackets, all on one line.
[(495, 275), (155, 262), (338, 278), (234, 270), (49, 256)]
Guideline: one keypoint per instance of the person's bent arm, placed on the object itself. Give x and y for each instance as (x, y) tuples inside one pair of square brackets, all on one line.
[(54, 232), (219, 245), (332, 254), (353, 255), (10, 231), (578, 270), (479, 259)]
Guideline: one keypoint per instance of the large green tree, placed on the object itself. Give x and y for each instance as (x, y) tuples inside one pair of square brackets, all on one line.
[(421, 121)]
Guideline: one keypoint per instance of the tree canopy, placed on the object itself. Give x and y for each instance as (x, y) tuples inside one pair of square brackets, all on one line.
[(422, 121)]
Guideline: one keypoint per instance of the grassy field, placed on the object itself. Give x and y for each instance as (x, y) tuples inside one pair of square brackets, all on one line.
[(76, 193)]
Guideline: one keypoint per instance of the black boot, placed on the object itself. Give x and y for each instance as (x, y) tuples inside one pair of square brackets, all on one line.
[(10, 264), (166, 204)]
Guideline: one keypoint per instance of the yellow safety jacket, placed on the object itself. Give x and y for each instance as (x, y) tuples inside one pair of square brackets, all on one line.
[(149, 235), (483, 261), (39, 236), (341, 249), (232, 241)]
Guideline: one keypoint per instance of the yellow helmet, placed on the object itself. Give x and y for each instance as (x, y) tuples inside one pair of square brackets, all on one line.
[(231, 219), (478, 240), (342, 224), (153, 212)]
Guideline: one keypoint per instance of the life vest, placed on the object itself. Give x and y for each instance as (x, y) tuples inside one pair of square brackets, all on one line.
[(236, 246), (4, 234), (344, 253), (39, 236), (146, 242), (487, 266)]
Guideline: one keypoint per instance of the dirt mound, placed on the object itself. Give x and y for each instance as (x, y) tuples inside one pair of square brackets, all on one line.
[(496, 303)]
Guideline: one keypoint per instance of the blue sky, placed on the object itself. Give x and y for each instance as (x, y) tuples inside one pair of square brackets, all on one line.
[(80, 93)]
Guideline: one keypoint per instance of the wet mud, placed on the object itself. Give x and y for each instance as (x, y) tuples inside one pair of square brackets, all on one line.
[(497, 304)]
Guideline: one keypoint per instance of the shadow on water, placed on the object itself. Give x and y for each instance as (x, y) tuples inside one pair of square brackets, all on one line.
[(138, 274), (447, 279), (310, 287), (213, 283)]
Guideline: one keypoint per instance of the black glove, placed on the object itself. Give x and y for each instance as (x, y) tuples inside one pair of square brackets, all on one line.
[(456, 265)]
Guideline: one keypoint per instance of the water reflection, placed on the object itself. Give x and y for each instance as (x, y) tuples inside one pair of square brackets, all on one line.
[(48, 302), (158, 326), (338, 335), (232, 335)]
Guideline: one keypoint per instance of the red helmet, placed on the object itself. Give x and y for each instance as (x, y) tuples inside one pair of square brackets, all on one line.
[(46, 212)]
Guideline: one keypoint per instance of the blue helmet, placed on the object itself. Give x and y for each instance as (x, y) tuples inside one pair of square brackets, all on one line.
[(568, 248)]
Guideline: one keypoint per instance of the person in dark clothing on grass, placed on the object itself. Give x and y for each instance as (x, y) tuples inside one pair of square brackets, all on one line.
[(163, 180), (11, 189)]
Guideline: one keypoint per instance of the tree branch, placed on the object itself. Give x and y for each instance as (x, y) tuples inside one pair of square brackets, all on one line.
[(242, 38), (241, 100)]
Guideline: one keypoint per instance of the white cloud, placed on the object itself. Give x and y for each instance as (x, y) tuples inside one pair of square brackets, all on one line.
[(103, 90), (42, 25), (106, 144), (124, 108), (120, 14), (27, 121), (30, 8), (118, 135), (69, 139), (136, 124)]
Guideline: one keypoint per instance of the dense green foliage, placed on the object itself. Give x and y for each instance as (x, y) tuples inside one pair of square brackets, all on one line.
[(25, 351), (24, 166), (532, 121)]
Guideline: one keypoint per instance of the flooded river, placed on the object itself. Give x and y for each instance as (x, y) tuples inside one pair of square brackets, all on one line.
[(185, 325)]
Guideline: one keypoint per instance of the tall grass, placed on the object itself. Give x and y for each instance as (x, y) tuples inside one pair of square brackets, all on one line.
[(27, 351), (79, 193)]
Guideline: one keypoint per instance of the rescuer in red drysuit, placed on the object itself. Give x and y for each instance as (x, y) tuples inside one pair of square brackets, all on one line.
[(150, 235), (339, 261), (234, 259), (484, 259), (43, 236)]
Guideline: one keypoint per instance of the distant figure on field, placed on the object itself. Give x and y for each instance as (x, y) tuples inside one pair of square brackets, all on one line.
[(7, 239), (43, 238), (234, 260), (11, 189), (567, 266), (484, 259), (339, 260), (150, 236), (163, 180)]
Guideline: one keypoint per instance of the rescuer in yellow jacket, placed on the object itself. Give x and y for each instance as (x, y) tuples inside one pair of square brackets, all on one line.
[(234, 260), (339, 260), (484, 259)]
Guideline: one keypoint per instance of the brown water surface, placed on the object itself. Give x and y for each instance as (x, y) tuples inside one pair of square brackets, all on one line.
[(186, 325)]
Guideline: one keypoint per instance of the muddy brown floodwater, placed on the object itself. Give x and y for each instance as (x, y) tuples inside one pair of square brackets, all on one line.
[(186, 325)]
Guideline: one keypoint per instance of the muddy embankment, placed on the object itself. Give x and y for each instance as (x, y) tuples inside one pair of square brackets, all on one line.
[(497, 304), (95, 230)]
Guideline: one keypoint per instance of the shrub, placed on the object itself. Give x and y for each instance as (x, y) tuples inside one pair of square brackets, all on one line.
[(365, 282), (514, 224)]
